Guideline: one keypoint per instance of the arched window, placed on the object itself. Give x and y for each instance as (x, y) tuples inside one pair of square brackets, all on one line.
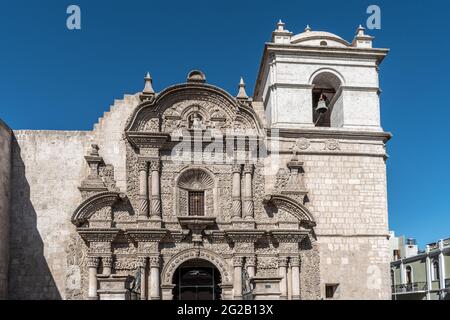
[(435, 273), (409, 275), (196, 193), (325, 87)]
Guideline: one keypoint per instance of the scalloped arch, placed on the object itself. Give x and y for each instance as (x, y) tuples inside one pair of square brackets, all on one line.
[(172, 265), (196, 179)]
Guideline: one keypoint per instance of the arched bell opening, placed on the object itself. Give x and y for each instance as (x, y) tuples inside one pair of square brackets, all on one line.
[(197, 279), (325, 94)]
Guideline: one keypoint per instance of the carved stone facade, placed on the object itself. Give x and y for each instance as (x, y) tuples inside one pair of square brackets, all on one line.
[(192, 174)]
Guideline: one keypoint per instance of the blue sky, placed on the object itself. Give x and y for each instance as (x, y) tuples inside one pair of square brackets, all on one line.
[(53, 78)]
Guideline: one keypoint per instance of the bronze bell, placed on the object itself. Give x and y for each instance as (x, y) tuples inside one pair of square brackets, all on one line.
[(321, 106)]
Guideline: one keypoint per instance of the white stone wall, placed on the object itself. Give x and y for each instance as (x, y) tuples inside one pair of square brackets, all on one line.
[(289, 84), (48, 167), (5, 192), (347, 195)]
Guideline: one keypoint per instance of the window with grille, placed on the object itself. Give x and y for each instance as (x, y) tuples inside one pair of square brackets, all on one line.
[(196, 203)]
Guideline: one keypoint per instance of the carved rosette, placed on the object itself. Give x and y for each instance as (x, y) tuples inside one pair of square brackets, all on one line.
[(332, 145)]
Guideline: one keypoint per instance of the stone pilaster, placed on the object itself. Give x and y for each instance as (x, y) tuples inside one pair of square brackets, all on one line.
[(248, 192), (93, 263), (155, 167), (143, 188), (143, 274), (295, 265), (282, 271), (236, 192), (237, 286), (154, 262), (107, 262), (251, 265)]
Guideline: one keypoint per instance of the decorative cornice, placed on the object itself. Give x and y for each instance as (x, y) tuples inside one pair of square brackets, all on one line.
[(289, 236), (331, 134), (98, 235), (249, 235), (146, 235), (147, 139)]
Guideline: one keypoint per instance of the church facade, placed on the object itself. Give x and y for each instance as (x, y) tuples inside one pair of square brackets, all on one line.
[(194, 193)]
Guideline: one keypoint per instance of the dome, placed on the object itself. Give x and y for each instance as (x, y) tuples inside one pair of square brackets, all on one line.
[(319, 38)]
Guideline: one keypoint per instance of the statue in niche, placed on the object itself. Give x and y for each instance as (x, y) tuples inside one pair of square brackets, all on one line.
[(195, 121)]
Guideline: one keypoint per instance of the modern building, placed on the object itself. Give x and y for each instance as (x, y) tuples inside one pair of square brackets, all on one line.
[(420, 275), (194, 193)]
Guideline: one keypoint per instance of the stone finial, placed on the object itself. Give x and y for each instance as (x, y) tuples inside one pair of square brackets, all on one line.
[(308, 28), (280, 25), (148, 89), (94, 150), (360, 31), (280, 34), (362, 40), (242, 94)]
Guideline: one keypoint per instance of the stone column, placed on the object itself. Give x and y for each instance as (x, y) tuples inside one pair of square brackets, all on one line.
[(93, 263), (441, 267), (295, 263), (155, 166), (289, 282), (282, 271), (142, 269), (237, 263), (143, 188), (402, 273), (428, 272), (248, 192), (154, 278), (107, 265), (251, 264), (236, 192)]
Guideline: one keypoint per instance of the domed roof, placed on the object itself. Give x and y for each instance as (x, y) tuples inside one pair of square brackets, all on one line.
[(319, 38)]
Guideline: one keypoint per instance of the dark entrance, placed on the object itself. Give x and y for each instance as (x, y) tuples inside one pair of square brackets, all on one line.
[(197, 280)]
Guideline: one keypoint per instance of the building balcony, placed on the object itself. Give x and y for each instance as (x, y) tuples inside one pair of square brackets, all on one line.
[(416, 287)]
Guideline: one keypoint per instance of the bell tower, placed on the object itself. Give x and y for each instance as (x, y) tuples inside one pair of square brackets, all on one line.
[(318, 79)]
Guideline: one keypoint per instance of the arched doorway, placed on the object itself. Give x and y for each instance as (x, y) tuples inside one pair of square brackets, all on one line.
[(197, 280)]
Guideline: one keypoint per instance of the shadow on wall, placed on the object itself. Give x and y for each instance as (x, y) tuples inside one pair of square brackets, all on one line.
[(29, 275)]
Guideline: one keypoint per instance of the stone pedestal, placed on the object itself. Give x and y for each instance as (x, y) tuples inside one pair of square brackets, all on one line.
[(113, 288), (266, 288)]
